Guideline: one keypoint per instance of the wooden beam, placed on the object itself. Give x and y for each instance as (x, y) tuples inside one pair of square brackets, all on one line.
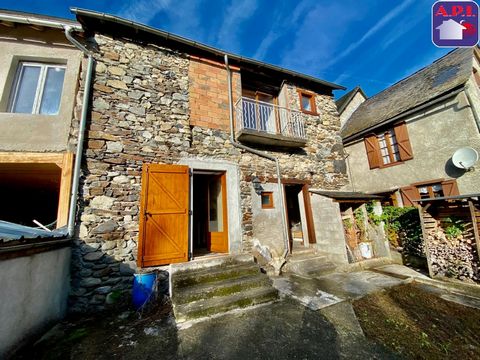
[(7, 24), (475, 224), (65, 189), (425, 241), (37, 158)]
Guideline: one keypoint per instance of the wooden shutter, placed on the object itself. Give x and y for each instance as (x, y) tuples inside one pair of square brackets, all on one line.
[(450, 188), (409, 193), (403, 141), (373, 151), (163, 231)]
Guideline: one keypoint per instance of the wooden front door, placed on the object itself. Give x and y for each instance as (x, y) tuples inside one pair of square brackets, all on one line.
[(217, 214), (163, 232)]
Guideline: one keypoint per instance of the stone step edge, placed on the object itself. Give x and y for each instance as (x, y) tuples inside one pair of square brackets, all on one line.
[(212, 276), (213, 290), (209, 262), (206, 308)]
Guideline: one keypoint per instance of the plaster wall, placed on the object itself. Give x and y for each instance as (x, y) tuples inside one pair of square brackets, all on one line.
[(28, 132), (329, 228), (267, 223), (357, 100), (435, 134), (34, 294)]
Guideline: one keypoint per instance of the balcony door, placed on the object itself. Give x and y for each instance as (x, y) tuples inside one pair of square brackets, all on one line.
[(259, 111)]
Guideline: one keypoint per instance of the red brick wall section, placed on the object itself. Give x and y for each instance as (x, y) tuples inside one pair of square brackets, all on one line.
[(208, 90)]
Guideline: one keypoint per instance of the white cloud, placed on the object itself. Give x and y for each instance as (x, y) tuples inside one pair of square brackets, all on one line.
[(236, 13), (143, 11), (372, 31)]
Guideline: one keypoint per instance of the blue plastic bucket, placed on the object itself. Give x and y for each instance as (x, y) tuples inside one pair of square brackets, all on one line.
[(143, 287)]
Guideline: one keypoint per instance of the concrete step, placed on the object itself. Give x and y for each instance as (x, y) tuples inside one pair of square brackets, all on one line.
[(309, 264), (207, 307), (225, 271), (219, 288)]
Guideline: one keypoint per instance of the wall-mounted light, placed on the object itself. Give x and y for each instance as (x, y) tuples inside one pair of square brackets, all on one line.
[(257, 185)]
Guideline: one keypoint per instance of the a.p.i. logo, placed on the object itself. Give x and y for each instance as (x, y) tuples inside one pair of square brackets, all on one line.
[(455, 23)]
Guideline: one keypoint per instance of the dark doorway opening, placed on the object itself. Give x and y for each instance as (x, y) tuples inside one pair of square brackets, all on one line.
[(210, 228), (292, 193), (29, 192)]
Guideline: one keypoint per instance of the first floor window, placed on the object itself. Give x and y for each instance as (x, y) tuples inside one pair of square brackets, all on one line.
[(388, 147), (37, 88)]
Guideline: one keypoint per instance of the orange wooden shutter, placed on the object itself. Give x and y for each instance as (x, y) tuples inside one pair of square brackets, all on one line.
[(373, 151), (163, 231), (403, 141), (409, 193), (450, 188)]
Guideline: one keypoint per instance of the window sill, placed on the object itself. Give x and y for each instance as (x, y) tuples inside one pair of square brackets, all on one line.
[(391, 164), (314, 113)]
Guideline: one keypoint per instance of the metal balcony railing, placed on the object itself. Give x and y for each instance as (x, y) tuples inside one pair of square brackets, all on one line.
[(269, 118)]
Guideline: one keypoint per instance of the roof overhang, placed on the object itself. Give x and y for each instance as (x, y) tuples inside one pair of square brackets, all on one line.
[(347, 196), (34, 20), (100, 22)]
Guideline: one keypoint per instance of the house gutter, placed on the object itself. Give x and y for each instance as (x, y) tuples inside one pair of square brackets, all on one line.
[(474, 110), (259, 153), (28, 20), (351, 138), (81, 131)]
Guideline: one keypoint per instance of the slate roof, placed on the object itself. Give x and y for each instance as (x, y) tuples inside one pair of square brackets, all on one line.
[(345, 99), (445, 74)]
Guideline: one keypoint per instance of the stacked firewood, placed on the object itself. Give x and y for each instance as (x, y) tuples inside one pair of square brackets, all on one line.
[(453, 257)]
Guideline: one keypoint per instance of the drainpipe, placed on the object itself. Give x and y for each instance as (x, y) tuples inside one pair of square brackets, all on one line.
[(472, 106), (81, 130), (261, 154)]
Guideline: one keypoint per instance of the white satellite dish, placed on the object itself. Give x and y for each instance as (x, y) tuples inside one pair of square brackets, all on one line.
[(465, 158)]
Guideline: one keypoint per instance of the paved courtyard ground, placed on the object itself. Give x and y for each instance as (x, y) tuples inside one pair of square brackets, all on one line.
[(308, 323)]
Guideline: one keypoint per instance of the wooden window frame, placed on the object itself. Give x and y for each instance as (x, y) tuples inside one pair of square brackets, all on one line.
[(374, 153), (270, 204), (311, 96)]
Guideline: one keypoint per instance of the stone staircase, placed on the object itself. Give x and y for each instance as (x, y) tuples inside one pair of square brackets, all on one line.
[(217, 285), (308, 262)]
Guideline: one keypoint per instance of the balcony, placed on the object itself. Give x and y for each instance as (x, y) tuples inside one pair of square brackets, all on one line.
[(264, 123)]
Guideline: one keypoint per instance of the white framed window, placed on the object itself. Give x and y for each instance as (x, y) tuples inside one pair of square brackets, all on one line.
[(37, 88)]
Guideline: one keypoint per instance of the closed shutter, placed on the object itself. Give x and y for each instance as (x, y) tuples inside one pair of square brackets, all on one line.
[(373, 151), (450, 188), (409, 193), (404, 147)]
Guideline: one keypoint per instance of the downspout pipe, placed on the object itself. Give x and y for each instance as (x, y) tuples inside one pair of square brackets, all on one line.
[(261, 154), (81, 130), (472, 106)]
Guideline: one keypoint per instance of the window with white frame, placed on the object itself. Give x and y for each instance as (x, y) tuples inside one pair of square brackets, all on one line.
[(37, 88), (388, 147)]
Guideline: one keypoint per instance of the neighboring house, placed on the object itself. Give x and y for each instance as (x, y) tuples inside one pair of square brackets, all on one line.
[(400, 142), (162, 181), (350, 102), (39, 74)]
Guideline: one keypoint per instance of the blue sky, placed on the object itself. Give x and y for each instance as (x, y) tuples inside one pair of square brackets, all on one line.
[(371, 43)]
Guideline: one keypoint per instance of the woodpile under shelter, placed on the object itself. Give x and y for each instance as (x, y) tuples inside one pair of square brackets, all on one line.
[(450, 227)]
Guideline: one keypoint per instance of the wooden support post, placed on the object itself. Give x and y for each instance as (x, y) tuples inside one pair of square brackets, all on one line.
[(475, 225), (425, 240), (65, 189)]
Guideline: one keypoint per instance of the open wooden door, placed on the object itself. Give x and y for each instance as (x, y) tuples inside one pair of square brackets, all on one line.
[(163, 232), (217, 215)]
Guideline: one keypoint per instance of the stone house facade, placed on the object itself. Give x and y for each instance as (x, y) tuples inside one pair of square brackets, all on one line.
[(162, 181), (401, 142)]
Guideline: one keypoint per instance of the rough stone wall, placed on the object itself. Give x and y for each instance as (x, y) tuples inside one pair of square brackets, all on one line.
[(209, 93), (141, 113)]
